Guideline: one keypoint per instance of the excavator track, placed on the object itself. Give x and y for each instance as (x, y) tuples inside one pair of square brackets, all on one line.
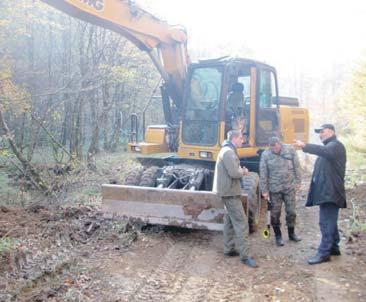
[(133, 178), (149, 176)]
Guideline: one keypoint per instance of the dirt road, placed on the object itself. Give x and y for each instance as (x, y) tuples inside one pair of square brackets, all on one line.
[(78, 256)]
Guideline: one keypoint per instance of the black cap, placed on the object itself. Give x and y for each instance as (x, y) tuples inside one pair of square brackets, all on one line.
[(324, 126)]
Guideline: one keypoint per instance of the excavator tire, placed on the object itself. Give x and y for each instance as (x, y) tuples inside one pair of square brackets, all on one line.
[(250, 185), (149, 176), (133, 177)]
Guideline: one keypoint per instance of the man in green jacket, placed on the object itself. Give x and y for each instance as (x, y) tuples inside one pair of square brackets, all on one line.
[(280, 177), (227, 184)]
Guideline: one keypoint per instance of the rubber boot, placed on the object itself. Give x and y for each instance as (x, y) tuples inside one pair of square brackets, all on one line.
[(292, 236), (278, 234)]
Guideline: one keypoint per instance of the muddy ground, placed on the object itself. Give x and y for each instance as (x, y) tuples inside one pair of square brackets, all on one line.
[(74, 254)]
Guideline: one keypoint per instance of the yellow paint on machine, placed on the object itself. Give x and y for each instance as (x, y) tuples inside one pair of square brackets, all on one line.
[(155, 142), (294, 124), (193, 152)]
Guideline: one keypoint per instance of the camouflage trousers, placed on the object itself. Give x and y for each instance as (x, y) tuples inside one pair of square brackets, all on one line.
[(235, 227), (289, 198)]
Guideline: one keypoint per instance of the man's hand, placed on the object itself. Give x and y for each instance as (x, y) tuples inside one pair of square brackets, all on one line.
[(299, 144), (265, 195), (244, 171)]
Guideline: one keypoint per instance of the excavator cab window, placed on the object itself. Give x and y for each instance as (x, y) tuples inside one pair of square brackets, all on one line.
[(237, 111), (267, 124), (201, 111)]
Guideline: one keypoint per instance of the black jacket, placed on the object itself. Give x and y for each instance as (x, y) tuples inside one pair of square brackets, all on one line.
[(327, 182)]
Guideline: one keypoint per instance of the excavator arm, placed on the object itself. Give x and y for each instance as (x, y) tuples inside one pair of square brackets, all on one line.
[(165, 44)]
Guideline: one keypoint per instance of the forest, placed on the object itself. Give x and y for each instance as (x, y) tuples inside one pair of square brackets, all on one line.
[(68, 90), (66, 86)]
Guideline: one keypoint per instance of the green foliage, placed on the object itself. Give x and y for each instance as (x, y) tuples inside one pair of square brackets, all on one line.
[(357, 225), (69, 75), (355, 222), (7, 244), (4, 153), (3, 180), (355, 177), (91, 191), (8, 193), (352, 114), (13, 97)]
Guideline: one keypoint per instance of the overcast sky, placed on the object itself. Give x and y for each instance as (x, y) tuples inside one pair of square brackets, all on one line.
[(309, 35)]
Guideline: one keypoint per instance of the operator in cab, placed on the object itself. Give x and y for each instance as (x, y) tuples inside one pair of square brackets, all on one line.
[(235, 118)]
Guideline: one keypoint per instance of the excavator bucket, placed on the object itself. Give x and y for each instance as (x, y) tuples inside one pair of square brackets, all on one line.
[(182, 208)]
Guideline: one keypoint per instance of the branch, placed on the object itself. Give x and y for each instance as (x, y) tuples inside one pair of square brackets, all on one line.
[(34, 183), (37, 181), (50, 135)]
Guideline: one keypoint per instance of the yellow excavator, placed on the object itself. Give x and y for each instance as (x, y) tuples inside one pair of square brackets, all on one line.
[(201, 102)]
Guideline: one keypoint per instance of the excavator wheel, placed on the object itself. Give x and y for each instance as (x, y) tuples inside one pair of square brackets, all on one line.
[(250, 185), (133, 177), (149, 176)]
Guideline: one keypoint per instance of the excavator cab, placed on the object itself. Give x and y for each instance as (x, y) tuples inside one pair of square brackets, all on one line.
[(224, 94)]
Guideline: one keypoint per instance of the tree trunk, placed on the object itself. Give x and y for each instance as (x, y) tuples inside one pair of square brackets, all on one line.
[(114, 141), (94, 140), (28, 169)]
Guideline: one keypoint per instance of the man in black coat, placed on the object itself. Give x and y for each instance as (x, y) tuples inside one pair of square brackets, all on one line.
[(327, 189)]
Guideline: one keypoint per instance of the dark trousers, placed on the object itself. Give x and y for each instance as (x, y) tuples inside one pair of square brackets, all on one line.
[(287, 197), (328, 218)]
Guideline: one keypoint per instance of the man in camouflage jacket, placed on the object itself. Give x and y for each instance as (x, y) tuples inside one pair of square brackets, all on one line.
[(280, 176)]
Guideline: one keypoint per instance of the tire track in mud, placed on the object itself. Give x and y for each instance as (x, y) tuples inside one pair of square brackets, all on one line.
[(203, 263), (206, 288), (207, 279), (227, 284), (200, 274), (39, 270), (167, 280)]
